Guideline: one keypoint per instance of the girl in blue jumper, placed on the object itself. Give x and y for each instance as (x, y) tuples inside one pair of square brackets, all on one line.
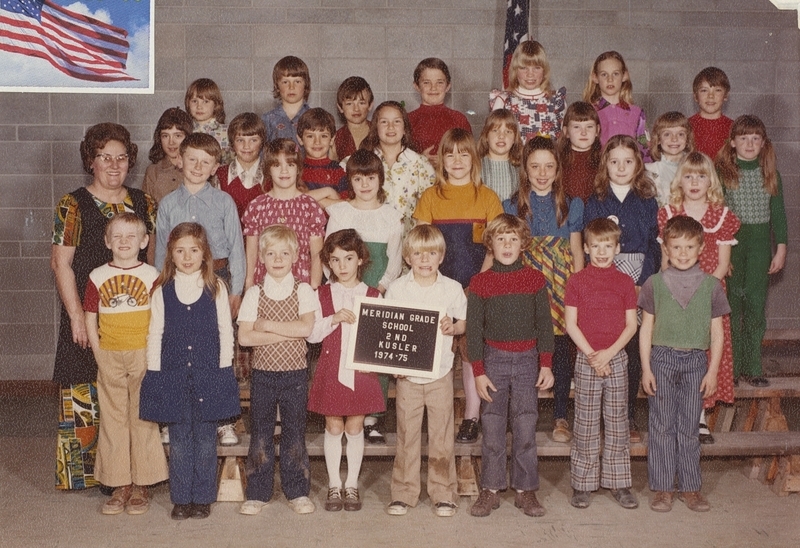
[(624, 194), (556, 222), (189, 382)]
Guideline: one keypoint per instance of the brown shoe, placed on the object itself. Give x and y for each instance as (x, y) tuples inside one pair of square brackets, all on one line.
[(119, 498), (139, 503), (695, 501), (334, 501), (352, 501), (487, 501), (526, 500), (662, 502), (561, 432)]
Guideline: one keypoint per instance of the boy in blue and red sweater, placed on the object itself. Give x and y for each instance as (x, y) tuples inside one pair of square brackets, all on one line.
[(510, 345), (315, 131)]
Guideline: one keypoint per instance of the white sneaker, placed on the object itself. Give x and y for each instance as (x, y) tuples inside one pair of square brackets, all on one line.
[(227, 435), (302, 505), (165, 435), (445, 509), (252, 507)]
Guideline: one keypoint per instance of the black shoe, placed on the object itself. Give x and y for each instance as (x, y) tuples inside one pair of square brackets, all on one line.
[(373, 435), (758, 382), (736, 382), (580, 499), (468, 431), (106, 491), (705, 435), (181, 511), (200, 511)]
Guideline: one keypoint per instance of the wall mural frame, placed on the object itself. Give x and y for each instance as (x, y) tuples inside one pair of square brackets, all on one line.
[(77, 46)]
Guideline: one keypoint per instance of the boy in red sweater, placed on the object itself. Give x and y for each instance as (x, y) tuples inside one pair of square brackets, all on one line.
[(510, 345), (433, 118)]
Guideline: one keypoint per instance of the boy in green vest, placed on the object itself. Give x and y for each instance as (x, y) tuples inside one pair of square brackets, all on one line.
[(682, 309)]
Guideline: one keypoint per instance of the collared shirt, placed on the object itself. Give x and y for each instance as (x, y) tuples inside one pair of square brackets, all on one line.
[(249, 177), (162, 178), (405, 182), (280, 126), (444, 292), (276, 291), (216, 212)]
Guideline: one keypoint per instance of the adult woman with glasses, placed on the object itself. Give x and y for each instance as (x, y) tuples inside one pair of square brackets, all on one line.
[(79, 247)]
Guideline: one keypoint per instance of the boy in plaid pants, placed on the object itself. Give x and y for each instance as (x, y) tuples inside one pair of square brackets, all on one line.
[(600, 314)]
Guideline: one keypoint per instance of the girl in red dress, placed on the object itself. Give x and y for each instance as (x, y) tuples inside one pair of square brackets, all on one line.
[(343, 395), (696, 191)]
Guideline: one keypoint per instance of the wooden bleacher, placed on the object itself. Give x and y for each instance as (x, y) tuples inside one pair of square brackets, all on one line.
[(753, 427)]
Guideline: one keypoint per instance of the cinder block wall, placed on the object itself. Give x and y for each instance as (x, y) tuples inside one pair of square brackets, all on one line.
[(237, 42)]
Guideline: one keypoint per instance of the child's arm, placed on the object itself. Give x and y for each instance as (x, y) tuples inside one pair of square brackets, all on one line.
[(475, 341), (251, 253), (723, 261), (449, 327), (92, 330), (155, 331), (324, 196), (225, 325), (394, 253), (295, 329), (576, 246), (708, 386), (778, 224), (645, 345), (315, 247), (602, 358), (571, 321), (237, 261), (249, 337)]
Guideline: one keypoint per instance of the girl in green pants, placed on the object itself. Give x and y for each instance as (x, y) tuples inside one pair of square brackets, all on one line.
[(754, 193)]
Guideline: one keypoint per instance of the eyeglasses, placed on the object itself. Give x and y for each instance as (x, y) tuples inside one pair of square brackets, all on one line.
[(107, 159)]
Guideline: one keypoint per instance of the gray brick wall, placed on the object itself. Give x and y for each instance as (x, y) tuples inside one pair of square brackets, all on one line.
[(237, 42)]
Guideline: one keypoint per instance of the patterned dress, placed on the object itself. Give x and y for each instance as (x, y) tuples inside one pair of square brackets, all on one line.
[(720, 226), (302, 214), (536, 111)]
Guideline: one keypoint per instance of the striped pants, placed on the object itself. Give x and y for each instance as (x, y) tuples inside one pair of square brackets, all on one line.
[(594, 393), (673, 440)]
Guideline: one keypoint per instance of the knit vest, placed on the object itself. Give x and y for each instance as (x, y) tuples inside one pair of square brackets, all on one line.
[(677, 327), (284, 355), (749, 201)]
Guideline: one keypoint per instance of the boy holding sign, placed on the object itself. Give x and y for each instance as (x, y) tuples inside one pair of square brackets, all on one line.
[(423, 250)]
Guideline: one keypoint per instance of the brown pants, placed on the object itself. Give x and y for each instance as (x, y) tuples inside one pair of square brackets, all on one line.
[(412, 399), (128, 449)]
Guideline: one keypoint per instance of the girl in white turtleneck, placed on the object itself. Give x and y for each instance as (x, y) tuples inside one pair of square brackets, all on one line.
[(537, 106)]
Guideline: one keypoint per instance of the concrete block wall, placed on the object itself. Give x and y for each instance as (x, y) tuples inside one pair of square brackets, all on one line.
[(237, 43)]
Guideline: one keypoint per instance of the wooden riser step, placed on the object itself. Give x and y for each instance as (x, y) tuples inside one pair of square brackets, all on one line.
[(727, 444)]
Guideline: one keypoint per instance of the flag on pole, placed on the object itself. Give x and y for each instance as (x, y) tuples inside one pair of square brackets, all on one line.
[(517, 16), (80, 46)]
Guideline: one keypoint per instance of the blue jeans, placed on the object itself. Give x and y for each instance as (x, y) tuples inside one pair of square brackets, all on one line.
[(514, 374), (193, 462), (269, 390)]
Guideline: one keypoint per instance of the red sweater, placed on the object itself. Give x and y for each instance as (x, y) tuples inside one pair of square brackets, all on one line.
[(429, 123), (508, 308)]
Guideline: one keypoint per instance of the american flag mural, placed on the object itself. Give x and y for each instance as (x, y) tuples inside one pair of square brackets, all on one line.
[(75, 44)]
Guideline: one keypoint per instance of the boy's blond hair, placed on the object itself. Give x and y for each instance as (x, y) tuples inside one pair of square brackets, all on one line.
[(290, 66), (129, 218), (506, 223), (277, 234), (602, 229), (424, 238)]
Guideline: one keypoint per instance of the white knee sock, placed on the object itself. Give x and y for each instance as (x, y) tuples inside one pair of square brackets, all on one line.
[(355, 454), (472, 404), (703, 416), (332, 445)]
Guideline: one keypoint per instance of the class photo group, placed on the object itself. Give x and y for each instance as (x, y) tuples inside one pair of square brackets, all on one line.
[(572, 246)]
